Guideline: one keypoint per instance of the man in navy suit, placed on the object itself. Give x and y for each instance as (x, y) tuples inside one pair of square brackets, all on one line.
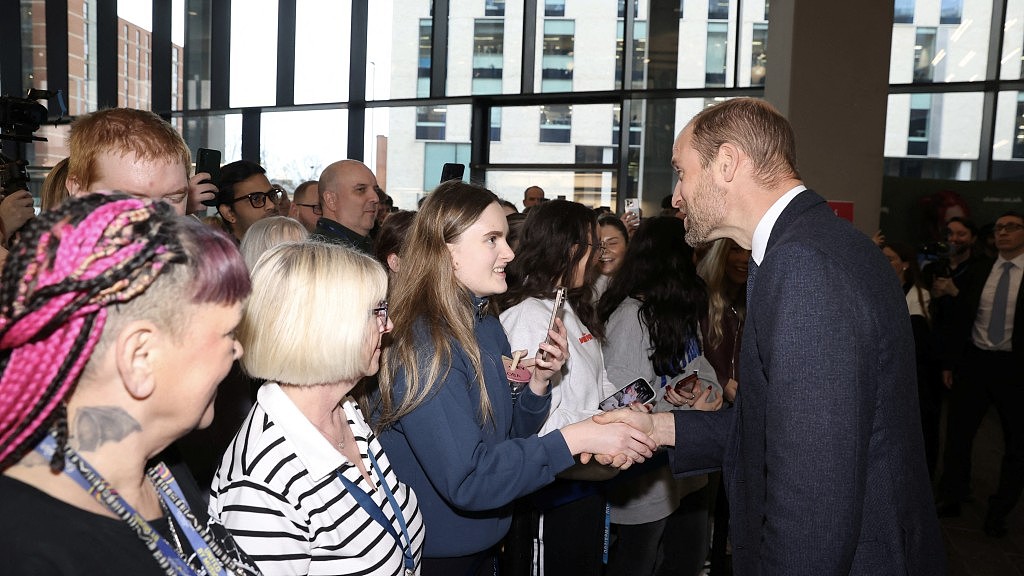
[(822, 454)]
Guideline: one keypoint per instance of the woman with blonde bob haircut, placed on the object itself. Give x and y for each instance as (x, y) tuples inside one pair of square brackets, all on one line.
[(305, 485)]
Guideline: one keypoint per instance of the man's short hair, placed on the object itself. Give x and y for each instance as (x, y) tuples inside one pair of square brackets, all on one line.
[(301, 188), (231, 174), (122, 131), (308, 318), (754, 126)]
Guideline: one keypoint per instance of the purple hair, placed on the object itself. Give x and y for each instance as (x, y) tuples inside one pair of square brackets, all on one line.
[(71, 264)]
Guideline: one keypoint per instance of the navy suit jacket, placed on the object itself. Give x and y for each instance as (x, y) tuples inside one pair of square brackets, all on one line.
[(822, 454)]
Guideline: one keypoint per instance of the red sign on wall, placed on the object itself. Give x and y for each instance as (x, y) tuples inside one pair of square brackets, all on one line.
[(842, 209)]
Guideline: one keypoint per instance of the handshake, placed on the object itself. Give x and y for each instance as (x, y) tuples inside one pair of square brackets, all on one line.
[(620, 437)]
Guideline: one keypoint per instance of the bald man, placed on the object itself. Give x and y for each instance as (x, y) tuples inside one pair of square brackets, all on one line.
[(348, 199)]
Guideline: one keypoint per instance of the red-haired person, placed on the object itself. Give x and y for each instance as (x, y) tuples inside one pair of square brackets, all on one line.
[(117, 322)]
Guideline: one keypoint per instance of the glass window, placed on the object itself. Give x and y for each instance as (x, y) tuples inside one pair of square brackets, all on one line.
[(430, 122), (952, 10), (635, 126), (1018, 137), (289, 152), (401, 149), (218, 131), (488, 56), (253, 74), (717, 55), (920, 109), (1012, 56), (639, 54), (934, 135), (622, 8), (494, 7), (924, 55), (495, 125), (322, 40), (903, 12), (436, 155), (759, 54), (423, 65), (554, 7), (718, 9), (557, 62), (555, 123)]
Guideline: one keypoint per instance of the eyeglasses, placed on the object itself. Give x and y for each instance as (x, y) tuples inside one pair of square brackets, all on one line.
[(599, 248), (259, 199), (381, 312), (1009, 227), (316, 208)]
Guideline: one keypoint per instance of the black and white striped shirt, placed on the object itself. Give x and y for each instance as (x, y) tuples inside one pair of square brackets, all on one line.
[(277, 492)]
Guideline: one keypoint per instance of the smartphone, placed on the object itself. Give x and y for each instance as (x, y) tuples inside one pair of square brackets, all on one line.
[(451, 171), (556, 311), (208, 160), (636, 391), (686, 383), (633, 205)]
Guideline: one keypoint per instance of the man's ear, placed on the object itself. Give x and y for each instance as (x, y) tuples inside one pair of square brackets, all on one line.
[(227, 213), (137, 348), (328, 200), (727, 161)]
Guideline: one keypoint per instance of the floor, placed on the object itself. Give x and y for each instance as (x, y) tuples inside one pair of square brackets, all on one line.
[(970, 551)]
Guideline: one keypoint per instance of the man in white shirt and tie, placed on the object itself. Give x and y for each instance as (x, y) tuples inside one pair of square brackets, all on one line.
[(990, 370)]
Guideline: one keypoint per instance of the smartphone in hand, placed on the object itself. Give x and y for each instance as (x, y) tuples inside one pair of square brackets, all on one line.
[(633, 205), (556, 311), (638, 390), (208, 160)]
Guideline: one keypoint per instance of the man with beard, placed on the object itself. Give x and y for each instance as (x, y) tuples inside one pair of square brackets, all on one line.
[(822, 453)]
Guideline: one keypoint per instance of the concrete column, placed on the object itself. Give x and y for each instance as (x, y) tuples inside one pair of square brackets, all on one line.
[(828, 72)]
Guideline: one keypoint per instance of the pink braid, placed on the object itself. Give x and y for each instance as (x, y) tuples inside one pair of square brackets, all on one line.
[(73, 272)]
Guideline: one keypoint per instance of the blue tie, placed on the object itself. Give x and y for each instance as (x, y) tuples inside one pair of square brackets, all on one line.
[(997, 322)]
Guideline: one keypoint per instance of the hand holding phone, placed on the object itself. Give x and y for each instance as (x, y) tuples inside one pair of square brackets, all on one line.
[(639, 391), (208, 160), (556, 312)]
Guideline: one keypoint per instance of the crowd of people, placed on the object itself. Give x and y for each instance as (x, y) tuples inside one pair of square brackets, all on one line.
[(325, 384)]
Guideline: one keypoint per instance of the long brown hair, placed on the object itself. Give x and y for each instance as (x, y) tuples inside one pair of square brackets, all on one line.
[(427, 297)]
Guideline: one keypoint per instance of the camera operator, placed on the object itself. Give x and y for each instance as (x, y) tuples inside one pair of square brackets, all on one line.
[(949, 275)]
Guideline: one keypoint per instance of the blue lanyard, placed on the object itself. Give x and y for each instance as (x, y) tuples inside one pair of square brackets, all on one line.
[(367, 503), (86, 476)]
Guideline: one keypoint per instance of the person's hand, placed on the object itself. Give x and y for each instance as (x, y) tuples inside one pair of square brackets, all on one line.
[(616, 443), (199, 189), (557, 354), (631, 221), (943, 286), (684, 396), (706, 403), (947, 379), (15, 209), (878, 238), (730, 389)]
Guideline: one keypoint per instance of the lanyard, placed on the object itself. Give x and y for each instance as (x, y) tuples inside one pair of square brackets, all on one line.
[(86, 476), (367, 503)]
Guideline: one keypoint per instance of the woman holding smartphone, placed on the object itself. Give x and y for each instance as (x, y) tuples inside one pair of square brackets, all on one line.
[(445, 411), (653, 309), (559, 246)]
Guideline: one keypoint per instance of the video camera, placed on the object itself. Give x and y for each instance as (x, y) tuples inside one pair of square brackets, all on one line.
[(19, 120)]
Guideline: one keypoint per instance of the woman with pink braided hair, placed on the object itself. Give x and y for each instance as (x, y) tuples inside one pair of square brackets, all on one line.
[(117, 323)]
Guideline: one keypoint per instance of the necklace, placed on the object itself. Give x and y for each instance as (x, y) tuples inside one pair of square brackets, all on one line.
[(338, 443)]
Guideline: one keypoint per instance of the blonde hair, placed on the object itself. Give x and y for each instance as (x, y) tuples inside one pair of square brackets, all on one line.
[(269, 232), (55, 186), (309, 315), (712, 269), (122, 131), (427, 299)]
